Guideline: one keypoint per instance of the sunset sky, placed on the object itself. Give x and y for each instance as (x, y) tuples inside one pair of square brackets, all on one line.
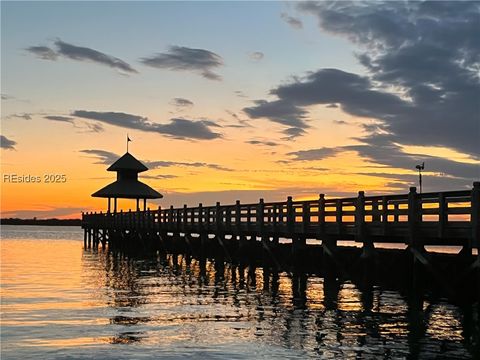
[(236, 100)]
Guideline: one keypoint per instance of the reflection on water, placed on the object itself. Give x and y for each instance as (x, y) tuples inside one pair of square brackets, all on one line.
[(61, 302)]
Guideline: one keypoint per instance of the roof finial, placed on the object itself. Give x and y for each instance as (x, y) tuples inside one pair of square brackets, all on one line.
[(128, 140)]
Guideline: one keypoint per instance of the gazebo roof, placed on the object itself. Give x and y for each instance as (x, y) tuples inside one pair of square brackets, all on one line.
[(128, 189), (127, 162)]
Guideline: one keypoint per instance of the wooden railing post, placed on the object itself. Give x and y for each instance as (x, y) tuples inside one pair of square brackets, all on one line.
[(360, 216), (384, 215), (290, 215), (200, 216), (218, 217), (305, 216), (260, 217), (275, 218), (442, 215), (339, 214), (238, 216), (375, 211), (178, 218), (170, 217), (185, 218), (159, 217), (475, 215), (414, 219), (321, 215)]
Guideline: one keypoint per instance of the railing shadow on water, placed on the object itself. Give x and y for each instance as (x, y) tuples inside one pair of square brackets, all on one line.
[(322, 313)]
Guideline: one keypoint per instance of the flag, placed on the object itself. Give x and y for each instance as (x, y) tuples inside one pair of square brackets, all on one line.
[(128, 139)]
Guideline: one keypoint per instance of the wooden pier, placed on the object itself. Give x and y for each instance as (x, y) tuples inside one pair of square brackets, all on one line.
[(449, 218), (251, 233)]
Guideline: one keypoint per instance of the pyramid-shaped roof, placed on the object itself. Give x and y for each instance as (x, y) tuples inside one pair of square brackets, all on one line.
[(127, 162), (128, 189)]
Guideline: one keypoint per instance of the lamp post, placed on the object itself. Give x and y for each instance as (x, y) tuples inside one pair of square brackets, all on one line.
[(420, 168)]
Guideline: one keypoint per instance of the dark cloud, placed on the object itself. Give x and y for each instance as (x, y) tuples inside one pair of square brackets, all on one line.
[(60, 118), (179, 58), (80, 53), (421, 87), (314, 154), (181, 102), (280, 111), (43, 52), (262, 142), (292, 21), (429, 52), (177, 128), (108, 158), (6, 143), (430, 182), (103, 157), (257, 55), (381, 149), (293, 133), (7, 97), (86, 126)]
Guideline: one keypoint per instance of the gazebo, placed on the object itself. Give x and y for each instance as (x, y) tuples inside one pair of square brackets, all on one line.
[(127, 185)]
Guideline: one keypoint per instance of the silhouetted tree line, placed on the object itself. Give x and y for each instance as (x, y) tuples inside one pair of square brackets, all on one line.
[(35, 221)]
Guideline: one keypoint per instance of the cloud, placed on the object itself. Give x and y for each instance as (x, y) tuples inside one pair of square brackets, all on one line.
[(43, 52), (158, 177), (314, 154), (103, 157), (6, 143), (332, 106), (257, 55), (180, 58), (280, 111), (428, 52), (293, 132), (94, 127), (382, 149), (262, 142), (177, 128), (181, 102), (292, 21), (59, 118), (108, 158), (89, 127), (421, 86), (7, 97), (80, 53)]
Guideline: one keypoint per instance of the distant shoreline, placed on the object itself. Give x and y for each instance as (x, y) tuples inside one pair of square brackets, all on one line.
[(50, 222)]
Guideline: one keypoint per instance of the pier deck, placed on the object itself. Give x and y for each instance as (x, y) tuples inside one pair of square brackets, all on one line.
[(442, 218)]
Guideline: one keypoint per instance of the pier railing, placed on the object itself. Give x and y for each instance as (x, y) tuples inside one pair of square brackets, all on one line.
[(452, 216)]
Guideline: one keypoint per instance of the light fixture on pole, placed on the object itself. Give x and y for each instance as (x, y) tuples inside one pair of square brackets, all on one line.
[(420, 168)]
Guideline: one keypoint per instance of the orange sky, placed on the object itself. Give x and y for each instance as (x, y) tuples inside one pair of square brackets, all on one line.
[(284, 106)]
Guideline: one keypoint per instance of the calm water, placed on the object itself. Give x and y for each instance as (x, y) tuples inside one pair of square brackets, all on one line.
[(61, 302)]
